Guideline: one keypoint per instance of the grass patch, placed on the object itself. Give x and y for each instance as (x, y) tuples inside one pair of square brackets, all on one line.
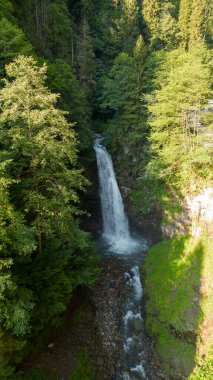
[(204, 371), (176, 306)]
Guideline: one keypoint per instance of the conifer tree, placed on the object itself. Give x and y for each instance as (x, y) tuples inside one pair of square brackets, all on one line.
[(128, 24), (159, 16), (17, 245), (184, 21), (12, 41), (198, 21), (85, 58), (177, 120), (150, 10), (42, 145)]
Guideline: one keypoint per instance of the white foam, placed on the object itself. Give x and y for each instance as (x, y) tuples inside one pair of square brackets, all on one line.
[(139, 369)]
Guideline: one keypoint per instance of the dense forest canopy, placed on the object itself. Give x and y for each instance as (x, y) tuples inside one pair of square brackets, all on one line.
[(138, 71)]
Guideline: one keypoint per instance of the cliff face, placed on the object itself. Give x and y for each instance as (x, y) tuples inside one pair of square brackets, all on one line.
[(195, 218)]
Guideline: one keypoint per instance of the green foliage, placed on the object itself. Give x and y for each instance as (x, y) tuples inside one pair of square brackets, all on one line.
[(6, 9), (127, 24), (48, 26), (176, 311), (179, 118), (60, 79), (12, 41), (39, 152), (198, 20), (85, 61), (160, 19), (60, 34), (194, 21), (204, 371), (85, 369), (151, 10)]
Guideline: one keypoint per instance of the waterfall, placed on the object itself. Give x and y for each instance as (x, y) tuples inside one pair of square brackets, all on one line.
[(115, 223)]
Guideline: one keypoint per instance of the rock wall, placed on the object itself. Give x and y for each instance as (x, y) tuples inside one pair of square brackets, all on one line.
[(195, 218)]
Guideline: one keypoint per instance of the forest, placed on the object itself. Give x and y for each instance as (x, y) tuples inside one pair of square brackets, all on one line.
[(139, 72)]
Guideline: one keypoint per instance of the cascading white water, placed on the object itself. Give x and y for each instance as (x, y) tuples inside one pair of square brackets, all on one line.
[(115, 222), (117, 235)]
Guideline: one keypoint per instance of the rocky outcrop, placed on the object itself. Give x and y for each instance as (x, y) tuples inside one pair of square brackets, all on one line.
[(195, 218)]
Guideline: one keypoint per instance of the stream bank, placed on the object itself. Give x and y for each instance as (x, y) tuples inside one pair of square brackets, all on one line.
[(93, 329)]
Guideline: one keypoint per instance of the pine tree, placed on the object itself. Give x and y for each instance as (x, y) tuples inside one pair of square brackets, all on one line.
[(128, 28), (6, 9), (61, 79), (44, 255), (184, 21), (198, 21), (160, 19), (150, 10), (177, 120), (12, 41), (17, 245), (86, 58), (42, 146)]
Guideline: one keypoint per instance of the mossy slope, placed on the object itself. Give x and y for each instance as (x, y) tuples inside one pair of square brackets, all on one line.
[(178, 290)]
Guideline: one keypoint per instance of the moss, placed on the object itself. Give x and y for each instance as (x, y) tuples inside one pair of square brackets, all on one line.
[(204, 370), (86, 369), (33, 374), (176, 306)]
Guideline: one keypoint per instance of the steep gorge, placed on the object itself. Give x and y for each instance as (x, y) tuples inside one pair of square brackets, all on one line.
[(140, 74)]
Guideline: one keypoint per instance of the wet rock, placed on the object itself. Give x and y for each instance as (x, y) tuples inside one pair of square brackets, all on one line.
[(138, 324)]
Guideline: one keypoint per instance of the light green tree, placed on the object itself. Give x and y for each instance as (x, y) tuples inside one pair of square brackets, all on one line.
[(151, 10), (159, 17), (178, 121), (198, 21), (42, 145), (184, 21)]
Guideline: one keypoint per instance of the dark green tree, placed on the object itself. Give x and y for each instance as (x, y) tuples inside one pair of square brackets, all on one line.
[(40, 145), (12, 41), (17, 245), (128, 24)]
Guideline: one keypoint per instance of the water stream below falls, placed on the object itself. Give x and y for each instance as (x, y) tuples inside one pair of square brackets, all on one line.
[(116, 239)]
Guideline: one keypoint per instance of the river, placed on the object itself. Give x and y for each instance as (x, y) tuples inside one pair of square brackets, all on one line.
[(116, 240)]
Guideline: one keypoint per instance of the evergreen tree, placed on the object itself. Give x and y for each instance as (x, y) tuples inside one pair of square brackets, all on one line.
[(198, 21), (128, 25), (160, 18), (184, 21), (44, 254), (16, 302), (60, 33), (6, 9), (178, 120), (39, 134), (12, 41), (60, 79), (150, 10), (86, 58)]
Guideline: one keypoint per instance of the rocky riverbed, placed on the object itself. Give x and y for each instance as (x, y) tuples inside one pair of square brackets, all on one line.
[(94, 325)]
